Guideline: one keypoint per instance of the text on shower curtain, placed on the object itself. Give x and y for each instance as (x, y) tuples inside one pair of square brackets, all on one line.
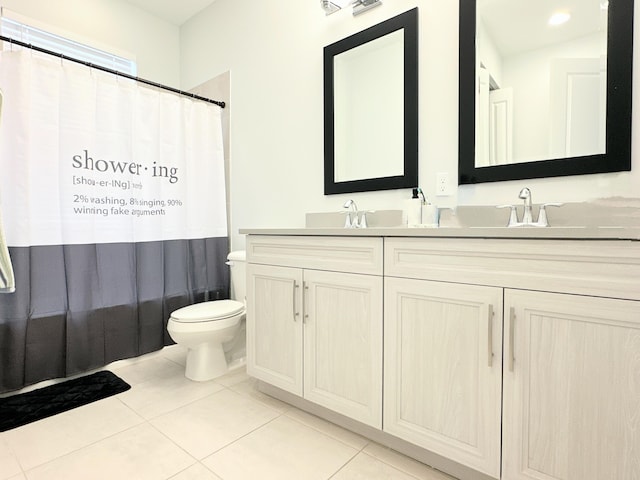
[(90, 158), (93, 192)]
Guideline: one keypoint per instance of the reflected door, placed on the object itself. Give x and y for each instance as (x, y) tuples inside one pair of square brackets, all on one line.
[(578, 106), (501, 126)]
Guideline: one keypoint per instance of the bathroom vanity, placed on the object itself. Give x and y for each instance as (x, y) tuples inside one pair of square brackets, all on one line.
[(486, 352)]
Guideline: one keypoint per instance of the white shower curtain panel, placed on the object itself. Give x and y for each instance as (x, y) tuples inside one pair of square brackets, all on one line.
[(7, 280), (90, 157)]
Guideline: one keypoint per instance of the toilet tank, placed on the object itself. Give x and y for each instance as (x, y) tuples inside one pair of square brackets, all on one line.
[(237, 266)]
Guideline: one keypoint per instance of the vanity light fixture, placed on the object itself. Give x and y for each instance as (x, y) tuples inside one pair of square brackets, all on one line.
[(559, 18), (359, 6), (329, 7)]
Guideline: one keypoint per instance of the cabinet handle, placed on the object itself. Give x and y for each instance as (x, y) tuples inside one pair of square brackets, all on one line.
[(490, 335), (512, 321), (293, 301)]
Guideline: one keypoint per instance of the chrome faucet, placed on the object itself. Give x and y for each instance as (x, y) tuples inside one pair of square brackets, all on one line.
[(527, 216), (525, 194), (349, 222)]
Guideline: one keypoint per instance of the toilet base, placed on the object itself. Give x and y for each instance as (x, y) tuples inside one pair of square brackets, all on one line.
[(206, 362)]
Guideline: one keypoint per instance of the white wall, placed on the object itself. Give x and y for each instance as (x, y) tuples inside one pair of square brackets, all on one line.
[(274, 53), (109, 24), (529, 74), (488, 55)]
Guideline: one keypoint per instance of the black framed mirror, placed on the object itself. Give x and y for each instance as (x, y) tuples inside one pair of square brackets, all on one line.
[(371, 108), (487, 148)]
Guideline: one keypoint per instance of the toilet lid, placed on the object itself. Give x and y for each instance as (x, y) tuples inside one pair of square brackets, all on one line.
[(208, 311)]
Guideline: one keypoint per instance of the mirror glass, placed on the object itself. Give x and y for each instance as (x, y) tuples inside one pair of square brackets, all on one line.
[(380, 156), (371, 108), (545, 90), (541, 80)]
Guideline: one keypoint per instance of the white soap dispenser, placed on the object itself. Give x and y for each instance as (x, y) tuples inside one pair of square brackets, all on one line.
[(413, 209), (429, 213)]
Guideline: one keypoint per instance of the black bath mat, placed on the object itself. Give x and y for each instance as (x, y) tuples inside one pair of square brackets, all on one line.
[(44, 402)]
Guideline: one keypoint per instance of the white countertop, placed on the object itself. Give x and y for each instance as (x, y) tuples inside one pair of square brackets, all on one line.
[(564, 233)]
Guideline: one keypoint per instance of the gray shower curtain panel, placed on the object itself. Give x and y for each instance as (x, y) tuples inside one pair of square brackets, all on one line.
[(80, 307)]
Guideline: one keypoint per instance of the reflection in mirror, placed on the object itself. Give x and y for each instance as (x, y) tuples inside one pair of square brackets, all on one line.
[(371, 71), (540, 99), (371, 113), (541, 83)]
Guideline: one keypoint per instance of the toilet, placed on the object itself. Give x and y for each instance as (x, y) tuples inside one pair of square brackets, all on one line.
[(214, 332)]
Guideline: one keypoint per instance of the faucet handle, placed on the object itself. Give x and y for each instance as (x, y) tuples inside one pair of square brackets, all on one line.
[(513, 215), (347, 221), (363, 220), (543, 221)]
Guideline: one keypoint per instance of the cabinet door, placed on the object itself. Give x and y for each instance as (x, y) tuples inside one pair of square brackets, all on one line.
[(274, 326), (571, 387), (343, 344), (443, 369)]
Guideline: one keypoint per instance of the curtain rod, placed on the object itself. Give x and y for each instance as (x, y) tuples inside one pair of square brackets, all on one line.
[(109, 70)]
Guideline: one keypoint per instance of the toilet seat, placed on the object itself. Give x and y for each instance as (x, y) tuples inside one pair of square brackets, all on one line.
[(212, 311)]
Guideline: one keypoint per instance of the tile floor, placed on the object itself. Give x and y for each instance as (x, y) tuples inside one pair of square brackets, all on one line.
[(167, 427)]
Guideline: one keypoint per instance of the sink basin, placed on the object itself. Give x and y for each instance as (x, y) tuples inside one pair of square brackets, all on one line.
[(375, 219), (612, 213)]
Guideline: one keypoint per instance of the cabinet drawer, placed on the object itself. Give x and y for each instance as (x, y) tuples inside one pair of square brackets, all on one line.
[(601, 268), (339, 254)]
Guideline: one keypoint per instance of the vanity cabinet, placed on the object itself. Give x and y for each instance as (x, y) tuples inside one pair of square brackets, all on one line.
[(314, 320), (443, 369), (570, 369), (274, 325), (571, 387), (510, 358)]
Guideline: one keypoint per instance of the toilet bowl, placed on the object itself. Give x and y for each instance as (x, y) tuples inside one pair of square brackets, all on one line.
[(210, 330)]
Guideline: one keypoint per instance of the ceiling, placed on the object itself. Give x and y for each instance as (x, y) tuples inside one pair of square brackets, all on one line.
[(515, 25), (521, 25), (173, 11)]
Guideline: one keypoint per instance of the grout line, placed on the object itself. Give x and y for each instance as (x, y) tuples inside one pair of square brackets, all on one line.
[(326, 434), (395, 467), (3, 439), (344, 465), (90, 444), (428, 468), (234, 441), (278, 414), (351, 459), (69, 412), (196, 460)]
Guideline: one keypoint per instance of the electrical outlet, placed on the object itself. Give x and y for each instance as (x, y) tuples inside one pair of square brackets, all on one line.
[(443, 186)]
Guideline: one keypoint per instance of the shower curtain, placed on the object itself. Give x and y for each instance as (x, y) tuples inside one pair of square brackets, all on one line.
[(113, 201), (7, 281)]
